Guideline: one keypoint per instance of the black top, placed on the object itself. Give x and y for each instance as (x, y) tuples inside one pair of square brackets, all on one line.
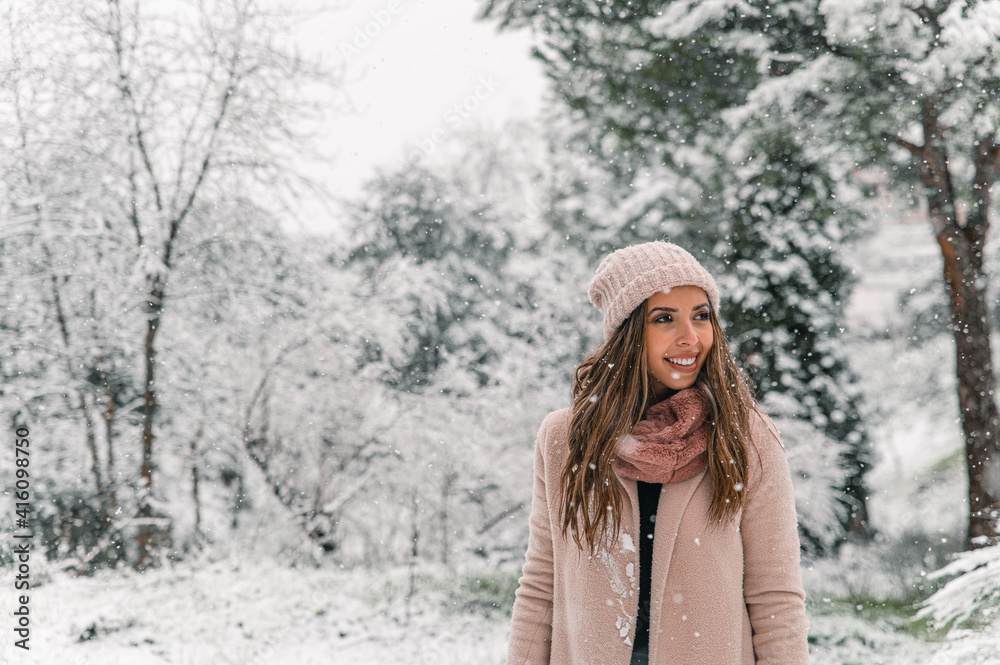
[(649, 496)]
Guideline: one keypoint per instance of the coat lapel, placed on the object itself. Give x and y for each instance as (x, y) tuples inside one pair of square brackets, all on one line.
[(673, 503)]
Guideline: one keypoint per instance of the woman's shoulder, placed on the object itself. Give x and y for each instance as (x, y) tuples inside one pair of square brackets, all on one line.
[(767, 452), (553, 434), (555, 425), (763, 432)]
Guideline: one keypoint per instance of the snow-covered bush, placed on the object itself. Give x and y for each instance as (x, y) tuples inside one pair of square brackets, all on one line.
[(970, 599), (816, 463)]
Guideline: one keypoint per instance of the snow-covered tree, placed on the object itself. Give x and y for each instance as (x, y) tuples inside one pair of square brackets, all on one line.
[(786, 285), (436, 261), (131, 121), (912, 88), (671, 157), (972, 594), (472, 323)]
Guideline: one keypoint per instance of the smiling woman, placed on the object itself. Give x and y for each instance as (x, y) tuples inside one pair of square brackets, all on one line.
[(663, 425), (679, 336)]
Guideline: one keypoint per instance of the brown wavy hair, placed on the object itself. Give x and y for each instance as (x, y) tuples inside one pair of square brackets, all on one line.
[(611, 392)]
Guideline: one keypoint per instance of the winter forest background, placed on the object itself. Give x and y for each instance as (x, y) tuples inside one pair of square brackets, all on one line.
[(255, 443)]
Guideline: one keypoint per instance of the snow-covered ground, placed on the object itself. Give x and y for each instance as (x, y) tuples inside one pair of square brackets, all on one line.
[(245, 613), (252, 613)]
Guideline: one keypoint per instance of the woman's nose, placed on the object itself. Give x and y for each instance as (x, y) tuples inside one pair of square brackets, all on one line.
[(686, 333)]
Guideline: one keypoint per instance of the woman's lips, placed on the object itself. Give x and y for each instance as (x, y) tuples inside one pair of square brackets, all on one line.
[(683, 369)]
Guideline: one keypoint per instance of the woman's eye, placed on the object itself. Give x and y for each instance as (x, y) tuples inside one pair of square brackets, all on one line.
[(663, 319)]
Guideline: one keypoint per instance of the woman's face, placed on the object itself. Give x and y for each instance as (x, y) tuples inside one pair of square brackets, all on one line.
[(678, 337)]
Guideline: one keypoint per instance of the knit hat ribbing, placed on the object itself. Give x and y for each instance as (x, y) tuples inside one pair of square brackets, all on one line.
[(626, 277)]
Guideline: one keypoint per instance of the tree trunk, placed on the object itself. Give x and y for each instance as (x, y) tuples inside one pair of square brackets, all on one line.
[(980, 419), (144, 538), (976, 383), (965, 283), (414, 551), (108, 414), (95, 458), (194, 481), (90, 436), (447, 483), (858, 521)]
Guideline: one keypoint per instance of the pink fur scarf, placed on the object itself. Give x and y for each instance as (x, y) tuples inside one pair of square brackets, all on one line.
[(670, 444)]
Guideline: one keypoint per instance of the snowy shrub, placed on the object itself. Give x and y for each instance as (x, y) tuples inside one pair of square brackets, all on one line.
[(971, 598), (817, 472)]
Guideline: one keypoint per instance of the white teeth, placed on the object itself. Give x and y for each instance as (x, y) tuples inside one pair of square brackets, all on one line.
[(684, 362)]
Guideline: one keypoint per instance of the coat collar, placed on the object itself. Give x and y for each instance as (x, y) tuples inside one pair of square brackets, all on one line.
[(673, 502)]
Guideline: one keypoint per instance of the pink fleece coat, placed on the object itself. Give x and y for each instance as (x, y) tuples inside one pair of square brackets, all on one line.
[(721, 594)]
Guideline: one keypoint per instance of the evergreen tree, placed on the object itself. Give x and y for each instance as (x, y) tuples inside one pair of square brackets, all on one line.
[(660, 117), (914, 89), (471, 321), (786, 285), (435, 259)]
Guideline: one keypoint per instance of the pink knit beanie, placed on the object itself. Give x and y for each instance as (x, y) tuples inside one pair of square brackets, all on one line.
[(629, 275)]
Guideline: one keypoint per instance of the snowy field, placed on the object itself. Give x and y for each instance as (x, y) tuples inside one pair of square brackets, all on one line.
[(247, 613), (255, 613)]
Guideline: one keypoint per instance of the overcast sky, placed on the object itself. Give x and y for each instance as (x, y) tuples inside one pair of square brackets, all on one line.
[(417, 70)]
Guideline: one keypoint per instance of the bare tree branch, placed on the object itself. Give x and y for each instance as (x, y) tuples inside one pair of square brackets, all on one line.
[(914, 149), (125, 87)]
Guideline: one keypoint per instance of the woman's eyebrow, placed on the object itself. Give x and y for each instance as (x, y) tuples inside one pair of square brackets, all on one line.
[(671, 310)]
